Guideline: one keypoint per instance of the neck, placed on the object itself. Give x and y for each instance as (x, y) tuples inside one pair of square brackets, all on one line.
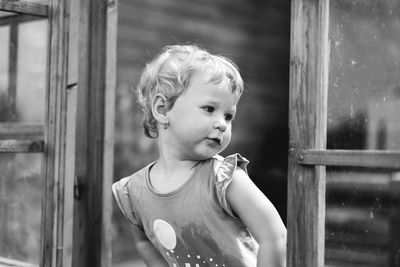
[(169, 161)]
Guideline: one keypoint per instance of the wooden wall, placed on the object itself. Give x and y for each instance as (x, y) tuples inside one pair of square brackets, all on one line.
[(255, 34)]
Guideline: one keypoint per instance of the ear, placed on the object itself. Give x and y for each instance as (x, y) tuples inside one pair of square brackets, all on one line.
[(159, 108)]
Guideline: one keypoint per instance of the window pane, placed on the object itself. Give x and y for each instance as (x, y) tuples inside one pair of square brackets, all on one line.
[(364, 82), (361, 213), (20, 206), (23, 70)]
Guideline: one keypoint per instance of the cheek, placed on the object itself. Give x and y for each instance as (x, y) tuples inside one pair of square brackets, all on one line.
[(227, 137)]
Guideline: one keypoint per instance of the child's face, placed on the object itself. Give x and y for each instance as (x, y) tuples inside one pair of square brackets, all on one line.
[(201, 119)]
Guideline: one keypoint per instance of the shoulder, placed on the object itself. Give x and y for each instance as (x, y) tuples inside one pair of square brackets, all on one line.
[(136, 177), (126, 192), (127, 186), (231, 160), (226, 169)]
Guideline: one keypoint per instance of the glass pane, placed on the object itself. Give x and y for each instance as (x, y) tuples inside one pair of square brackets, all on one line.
[(364, 82), (20, 206), (362, 214), (23, 52)]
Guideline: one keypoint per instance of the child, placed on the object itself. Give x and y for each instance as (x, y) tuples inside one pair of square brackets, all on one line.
[(193, 207)]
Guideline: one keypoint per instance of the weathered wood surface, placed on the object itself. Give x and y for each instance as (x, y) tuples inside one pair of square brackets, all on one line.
[(25, 146), (55, 130), (355, 158), (307, 122), (24, 7), (68, 218), (15, 263), (21, 130), (109, 117), (73, 49), (18, 18), (91, 236), (12, 68)]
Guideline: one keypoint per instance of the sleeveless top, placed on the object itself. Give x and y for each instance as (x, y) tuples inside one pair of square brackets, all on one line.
[(193, 225)]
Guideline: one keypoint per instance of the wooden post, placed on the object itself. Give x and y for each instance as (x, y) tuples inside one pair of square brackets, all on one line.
[(109, 113), (13, 69), (307, 122), (94, 146), (55, 127)]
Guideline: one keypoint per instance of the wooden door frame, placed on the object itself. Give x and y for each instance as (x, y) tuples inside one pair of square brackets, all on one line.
[(95, 79), (77, 137)]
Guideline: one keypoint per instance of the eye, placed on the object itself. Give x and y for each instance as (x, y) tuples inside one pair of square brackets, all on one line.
[(229, 117), (208, 109)]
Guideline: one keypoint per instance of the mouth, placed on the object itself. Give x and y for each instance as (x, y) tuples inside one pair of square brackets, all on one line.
[(215, 140)]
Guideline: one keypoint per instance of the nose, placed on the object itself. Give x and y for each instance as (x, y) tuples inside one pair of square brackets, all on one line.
[(221, 124)]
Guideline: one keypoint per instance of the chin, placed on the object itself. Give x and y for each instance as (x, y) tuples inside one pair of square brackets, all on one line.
[(204, 155)]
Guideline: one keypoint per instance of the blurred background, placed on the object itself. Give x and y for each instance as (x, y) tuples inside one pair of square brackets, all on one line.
[(362, 215), (255, 34)]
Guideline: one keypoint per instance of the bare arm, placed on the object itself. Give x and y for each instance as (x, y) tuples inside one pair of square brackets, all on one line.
[(147, 251), (262, 219)]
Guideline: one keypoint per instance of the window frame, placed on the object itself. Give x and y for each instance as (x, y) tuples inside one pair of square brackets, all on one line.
[(75, 229), (308, 156)]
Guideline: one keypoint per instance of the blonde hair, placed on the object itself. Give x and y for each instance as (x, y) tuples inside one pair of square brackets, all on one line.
[(170, 72)]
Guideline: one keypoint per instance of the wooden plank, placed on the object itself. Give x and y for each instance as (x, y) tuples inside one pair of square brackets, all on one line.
[(73, 43), (69, 184), (12, 69), (26, 146), (307, 123), (55, 131), (24, 7), (80, 246), (21, 130), (6, 262), (355, 158), (109, 116), (91, 222), (18, 18)]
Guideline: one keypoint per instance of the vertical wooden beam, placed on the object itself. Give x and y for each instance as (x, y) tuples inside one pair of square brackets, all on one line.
[(73, 42), (109, 113), (68, 222), (13, 69), (307, 122), (55, 128), (96, 81)]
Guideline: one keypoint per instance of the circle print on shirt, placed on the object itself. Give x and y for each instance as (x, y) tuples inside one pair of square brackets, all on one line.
[(165, 234)]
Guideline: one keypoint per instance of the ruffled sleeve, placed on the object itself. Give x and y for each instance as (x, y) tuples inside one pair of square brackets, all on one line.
[(224, 169), (124, 199)]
